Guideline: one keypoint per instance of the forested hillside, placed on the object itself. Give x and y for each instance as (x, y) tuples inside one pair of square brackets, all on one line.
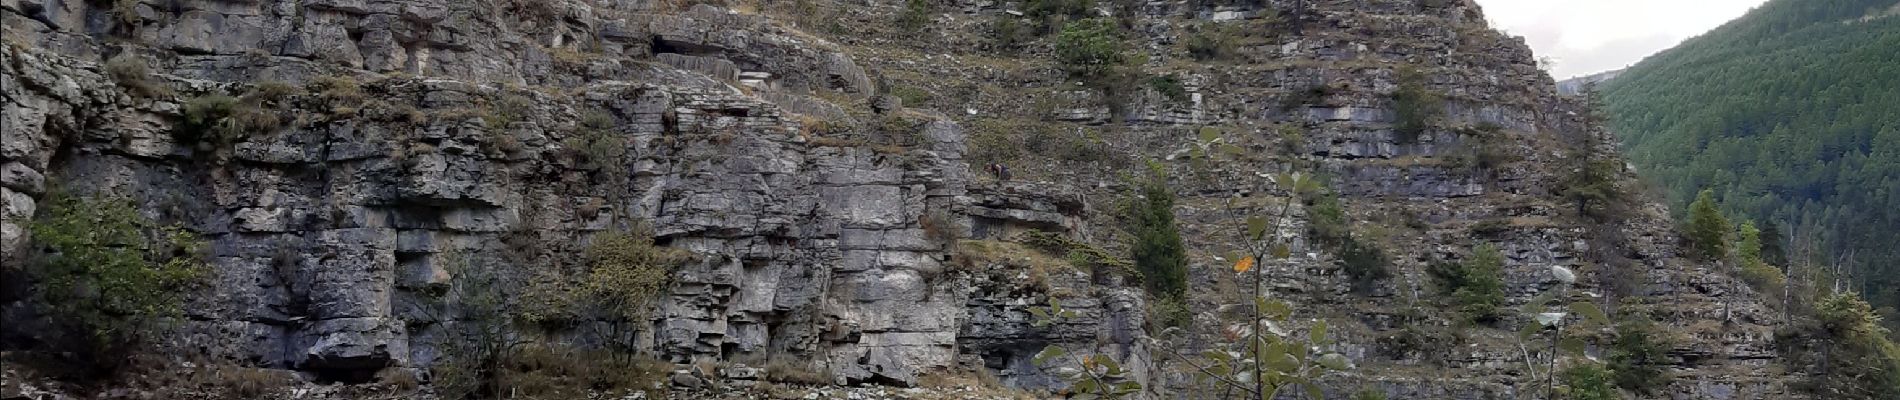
[(1787, 114)]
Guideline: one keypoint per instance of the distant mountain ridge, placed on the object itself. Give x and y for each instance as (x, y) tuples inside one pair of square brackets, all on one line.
[(1575, 86)]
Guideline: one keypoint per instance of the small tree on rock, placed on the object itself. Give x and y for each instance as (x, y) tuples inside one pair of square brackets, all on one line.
[(1708, 230), (1157, 248), (111, 274)]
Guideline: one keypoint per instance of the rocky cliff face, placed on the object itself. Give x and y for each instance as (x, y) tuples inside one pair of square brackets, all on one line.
[(825, 212)]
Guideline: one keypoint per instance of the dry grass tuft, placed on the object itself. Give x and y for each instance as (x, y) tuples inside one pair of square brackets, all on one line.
[(131, 73), (980, 383), (243, 382), (784, 369)]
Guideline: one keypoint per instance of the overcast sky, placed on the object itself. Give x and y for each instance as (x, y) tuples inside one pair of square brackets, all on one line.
[(1588, 36)]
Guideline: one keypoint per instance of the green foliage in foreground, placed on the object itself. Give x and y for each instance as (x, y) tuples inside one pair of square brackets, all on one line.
[(113, 275)]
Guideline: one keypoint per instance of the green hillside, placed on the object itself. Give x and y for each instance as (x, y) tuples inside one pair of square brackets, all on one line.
[(1791, 114)]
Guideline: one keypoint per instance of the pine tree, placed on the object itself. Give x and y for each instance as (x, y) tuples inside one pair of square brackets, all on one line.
[(1708, 230), (1773, 251), (1157, 248), (1750, 247)]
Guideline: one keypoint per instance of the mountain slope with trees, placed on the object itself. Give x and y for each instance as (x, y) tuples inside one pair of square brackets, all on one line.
[(1787, 115)]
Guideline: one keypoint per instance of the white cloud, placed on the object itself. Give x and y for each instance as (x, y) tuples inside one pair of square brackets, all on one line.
[(1587, 36)]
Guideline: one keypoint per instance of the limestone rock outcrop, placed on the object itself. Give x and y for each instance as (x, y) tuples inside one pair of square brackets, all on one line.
[(827, 173)]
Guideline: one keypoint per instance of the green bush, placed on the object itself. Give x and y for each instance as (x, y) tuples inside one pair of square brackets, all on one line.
[(1483, 153), (1416, 106), (1292, 138), (1474, 285), (1171, 312), (911, 95), (1763, 277), (595, 144), (550, 372), (1053, 13), (1080, 255), (1639, 358), (221, 121), (471, 364), (1587, 381), (782, 368), (1845, 351), (1170, 87), (1314, 95), (1157, 249), (1086, 147), (510, 108), (1210, 43), (271, 92), (1326, 220), (111, 274), (915, 16), (1424, 338), (1369, 394), (623, 272), (1758, 273), (1009, 35), (1090, 49), (1366, 263)]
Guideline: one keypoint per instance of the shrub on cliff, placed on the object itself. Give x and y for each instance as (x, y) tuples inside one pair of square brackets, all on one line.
[(1365, 263), (111, 275), (216, 121), (1051, 13), (624, 272), (1090, 49), (1169, 87), (1326, 220), (470, 364), (1639, 357), (131, 73), (1587, 381), (1157, 248), (1416, 106), (916, 15), (1009, 35), (1211, 42), (594, 144), (1473, 285)]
